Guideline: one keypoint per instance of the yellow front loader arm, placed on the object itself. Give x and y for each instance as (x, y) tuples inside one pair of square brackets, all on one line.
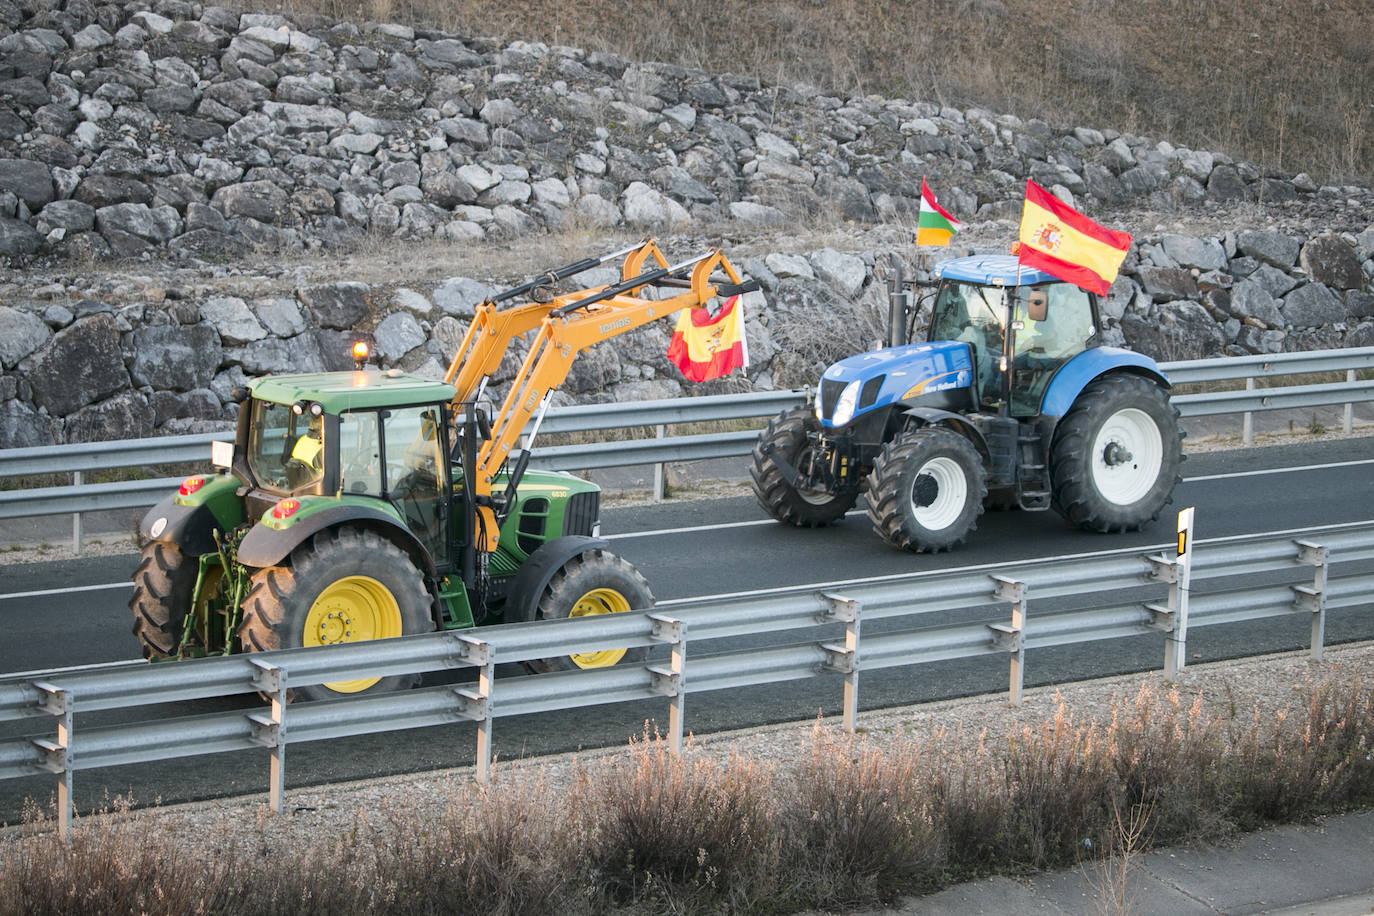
[(567, 325)]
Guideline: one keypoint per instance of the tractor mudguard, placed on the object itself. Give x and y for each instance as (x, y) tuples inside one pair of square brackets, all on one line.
[(1078, 372), (522, 599), (189, 521), (188, 527), (264, 546), (934, 416)]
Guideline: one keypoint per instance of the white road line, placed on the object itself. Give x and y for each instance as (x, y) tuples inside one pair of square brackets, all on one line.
[(751, 524), (1310, 467), (67, 591)]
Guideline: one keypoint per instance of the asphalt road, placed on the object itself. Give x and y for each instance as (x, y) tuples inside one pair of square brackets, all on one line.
[(74, 613)]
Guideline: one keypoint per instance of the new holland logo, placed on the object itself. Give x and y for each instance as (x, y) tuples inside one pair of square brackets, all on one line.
[(1048, 237), (610, 326)]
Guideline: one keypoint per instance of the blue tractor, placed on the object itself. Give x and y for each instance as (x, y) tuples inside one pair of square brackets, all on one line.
[(1011, 403)]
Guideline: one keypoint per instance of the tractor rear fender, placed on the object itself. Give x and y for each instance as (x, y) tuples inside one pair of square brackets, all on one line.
[(933, 416), (190, 520), (1080, 371), (522, 600), (265, 546)]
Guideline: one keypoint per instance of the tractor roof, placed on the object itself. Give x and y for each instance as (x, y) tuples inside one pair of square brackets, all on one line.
[(991, 270), (340, 391)]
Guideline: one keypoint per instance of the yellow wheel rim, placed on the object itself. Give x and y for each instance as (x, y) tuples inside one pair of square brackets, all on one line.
[(352, 609), (599, 601)]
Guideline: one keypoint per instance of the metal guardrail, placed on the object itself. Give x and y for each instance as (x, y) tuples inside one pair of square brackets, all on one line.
[(82, 458), (1120, 593)]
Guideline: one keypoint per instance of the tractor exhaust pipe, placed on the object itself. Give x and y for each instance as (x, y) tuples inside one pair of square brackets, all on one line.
[(899, 305)]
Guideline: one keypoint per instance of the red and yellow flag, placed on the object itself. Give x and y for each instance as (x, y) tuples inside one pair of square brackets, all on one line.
[(1064, 243), (704, 347)]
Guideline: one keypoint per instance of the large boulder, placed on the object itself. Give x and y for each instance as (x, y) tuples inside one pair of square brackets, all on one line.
[(168, 356), (23, 427), (21, 333), (1269, 247), (1181, 330), (1330, 261), (27, 180), (124, 416), (339, 306), (1313, 305), (83, 364)]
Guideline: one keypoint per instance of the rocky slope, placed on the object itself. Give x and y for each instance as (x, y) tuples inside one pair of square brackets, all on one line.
[(228, 164)]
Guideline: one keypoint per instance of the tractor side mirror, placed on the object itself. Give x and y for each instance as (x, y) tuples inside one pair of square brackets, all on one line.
[(1038, 305)]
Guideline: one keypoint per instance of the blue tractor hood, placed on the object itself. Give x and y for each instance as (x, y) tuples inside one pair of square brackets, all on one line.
[(857, 385)]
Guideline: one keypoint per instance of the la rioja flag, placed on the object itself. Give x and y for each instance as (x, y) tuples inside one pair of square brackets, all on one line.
[(704, 347), (934, 225)]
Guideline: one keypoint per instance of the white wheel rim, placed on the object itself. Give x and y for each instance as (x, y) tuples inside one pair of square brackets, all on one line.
[(1126, 456), (950, 495)]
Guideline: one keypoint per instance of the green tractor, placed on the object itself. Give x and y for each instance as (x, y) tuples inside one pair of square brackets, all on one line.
[(368, 504)]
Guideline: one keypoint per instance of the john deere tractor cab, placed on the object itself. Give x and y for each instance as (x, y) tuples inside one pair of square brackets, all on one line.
[(1011, 402), (368, 504)]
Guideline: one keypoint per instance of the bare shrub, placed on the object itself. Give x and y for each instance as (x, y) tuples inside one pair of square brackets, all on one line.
[(114, 864), (858, 822), (673, 826)]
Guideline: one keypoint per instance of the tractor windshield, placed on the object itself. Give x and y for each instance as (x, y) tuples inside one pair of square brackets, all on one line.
[(285, 449), (976, 315)]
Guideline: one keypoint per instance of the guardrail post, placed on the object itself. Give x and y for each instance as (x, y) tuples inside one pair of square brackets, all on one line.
[(1312, 598), (659, 469), (845, 659), (671, 681), (1012, 638), (1164, 617), (270, 730), (1248, 423), (1349, 424), (478, 706), (78, 526), (1174, 618), (59, 755)]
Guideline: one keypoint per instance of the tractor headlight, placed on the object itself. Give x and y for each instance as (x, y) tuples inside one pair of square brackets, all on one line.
[(817, 406), (844, 407)]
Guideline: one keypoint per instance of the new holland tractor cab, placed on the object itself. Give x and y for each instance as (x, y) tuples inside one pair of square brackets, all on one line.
[(1010, 403), (368, 504)]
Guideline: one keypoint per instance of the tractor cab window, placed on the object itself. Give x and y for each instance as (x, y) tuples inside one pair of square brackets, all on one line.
[(1054, 323), (977, 316), (397, 455), (285, 449)]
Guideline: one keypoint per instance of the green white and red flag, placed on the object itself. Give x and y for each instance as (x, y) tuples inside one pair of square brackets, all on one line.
[(934, 225)]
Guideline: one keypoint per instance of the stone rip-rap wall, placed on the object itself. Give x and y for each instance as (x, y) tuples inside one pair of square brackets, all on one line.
[(181, 136)]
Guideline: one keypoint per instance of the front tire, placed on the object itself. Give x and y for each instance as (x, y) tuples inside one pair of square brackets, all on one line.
[(593, 582), (926, 490), (1115, 455), (342, 586), (790, 435), (164, 584)]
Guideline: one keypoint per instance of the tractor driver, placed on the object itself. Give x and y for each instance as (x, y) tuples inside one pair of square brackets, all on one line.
[(307, 456)]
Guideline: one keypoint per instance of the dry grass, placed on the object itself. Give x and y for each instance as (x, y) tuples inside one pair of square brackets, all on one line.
[(1210, 74), (851, 823)]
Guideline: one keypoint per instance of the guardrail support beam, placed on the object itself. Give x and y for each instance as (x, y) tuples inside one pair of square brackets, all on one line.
[(1012, 638), (270, 730), (478, 706), (845, 659), (59, 755), (1312, 598), (671, 682)]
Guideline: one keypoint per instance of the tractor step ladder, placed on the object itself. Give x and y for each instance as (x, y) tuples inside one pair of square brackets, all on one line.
[(1032, 472)]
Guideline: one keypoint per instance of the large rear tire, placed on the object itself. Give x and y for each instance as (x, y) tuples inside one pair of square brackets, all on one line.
[(1115, 455), (342, 586), (926, 490), (593, 582), (788, 434), (164, 583)]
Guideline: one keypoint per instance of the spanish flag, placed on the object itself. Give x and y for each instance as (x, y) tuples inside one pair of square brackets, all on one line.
[(934, 225), (1064, 243), (704, 347)]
